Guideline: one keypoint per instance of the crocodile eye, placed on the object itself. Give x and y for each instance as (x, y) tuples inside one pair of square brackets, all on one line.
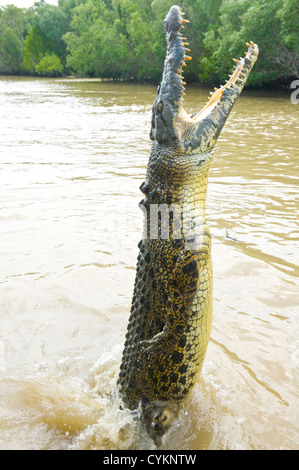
[(160, 107)]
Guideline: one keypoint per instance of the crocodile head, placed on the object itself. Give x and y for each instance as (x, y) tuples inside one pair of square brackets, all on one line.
[(170, 122)]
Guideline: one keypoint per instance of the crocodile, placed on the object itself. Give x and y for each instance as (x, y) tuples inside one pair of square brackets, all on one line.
[(171, 313)]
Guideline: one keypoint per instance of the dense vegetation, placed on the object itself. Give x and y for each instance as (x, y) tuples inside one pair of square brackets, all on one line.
[(124, 39)]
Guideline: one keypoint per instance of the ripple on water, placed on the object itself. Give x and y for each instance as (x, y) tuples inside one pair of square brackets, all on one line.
[(73, 156)]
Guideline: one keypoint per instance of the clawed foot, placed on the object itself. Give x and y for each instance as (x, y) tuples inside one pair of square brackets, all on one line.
[(153, 345), (161, 422), (158, 420)]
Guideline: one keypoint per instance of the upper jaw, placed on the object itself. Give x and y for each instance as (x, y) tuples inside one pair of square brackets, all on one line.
[(170, 91), (173, 123)]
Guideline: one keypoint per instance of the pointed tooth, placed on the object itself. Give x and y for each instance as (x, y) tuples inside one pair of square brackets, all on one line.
[(247, 44), (235, 60), (252, 43), (187, 57), (186, 21)]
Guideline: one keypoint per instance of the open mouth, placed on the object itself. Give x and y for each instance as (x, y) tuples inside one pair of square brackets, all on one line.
[(235, 81), (178, 55), (170, 122)]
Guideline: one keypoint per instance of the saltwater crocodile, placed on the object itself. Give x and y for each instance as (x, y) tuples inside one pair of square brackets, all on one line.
[(171, 313)]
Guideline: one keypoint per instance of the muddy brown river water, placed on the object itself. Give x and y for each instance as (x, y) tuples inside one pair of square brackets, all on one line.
[(73, 153)]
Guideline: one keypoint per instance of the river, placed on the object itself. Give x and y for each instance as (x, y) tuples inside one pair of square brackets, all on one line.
[(73, 153)]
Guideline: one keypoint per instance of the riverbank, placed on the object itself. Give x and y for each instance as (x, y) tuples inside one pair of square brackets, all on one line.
[(126, 40)]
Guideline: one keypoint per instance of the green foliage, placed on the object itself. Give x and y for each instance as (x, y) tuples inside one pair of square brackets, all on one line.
[(26, 36), (49, 66), (288, 55), (113, 40), (267, 23), (11, 56), (53, 24), (67, 5), (36, 46), (289, 17), (135, 39), (124, 39), (12, 30)]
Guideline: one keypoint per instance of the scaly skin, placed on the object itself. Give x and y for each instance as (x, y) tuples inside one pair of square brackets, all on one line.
[(171, 314)]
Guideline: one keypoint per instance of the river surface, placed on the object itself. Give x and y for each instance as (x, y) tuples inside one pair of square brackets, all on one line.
[(73, 154)]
